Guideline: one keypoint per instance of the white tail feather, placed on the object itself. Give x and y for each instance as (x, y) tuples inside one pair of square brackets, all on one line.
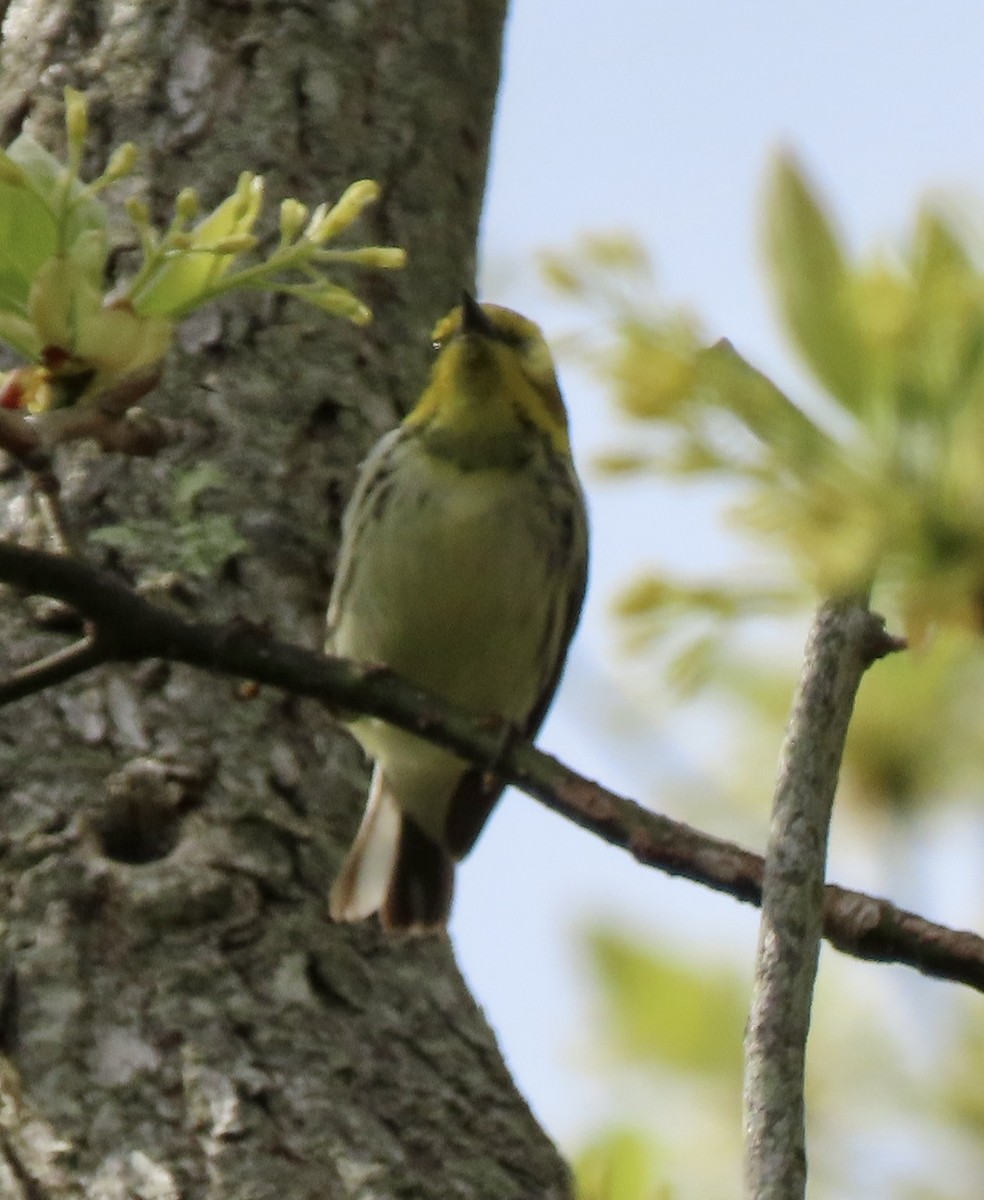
[(363, 881)]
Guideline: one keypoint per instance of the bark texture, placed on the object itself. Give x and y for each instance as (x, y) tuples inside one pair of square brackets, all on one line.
[(844, 640), (178, 1017)]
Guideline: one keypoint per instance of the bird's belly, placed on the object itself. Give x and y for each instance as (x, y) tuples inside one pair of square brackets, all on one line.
[(457, 595)]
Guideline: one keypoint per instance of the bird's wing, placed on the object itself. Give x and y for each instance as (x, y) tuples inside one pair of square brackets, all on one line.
[(479, 787)]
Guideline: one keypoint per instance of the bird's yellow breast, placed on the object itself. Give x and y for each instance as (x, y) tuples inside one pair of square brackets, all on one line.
[(452, 595)]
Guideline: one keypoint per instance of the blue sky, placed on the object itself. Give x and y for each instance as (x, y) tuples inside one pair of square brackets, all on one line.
[(662, 119)]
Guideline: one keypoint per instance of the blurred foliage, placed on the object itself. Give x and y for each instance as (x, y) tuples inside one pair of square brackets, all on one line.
[(670, 1032), (915, 739), (654, 1012), (959, 1084), (879, 486), (619, 1165), (674, 1131), (872, 481)]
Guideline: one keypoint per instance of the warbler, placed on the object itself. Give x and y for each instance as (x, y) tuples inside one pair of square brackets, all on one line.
[(462, 567)]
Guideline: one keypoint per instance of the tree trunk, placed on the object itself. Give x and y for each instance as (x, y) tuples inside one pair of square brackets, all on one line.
[(178, 1016)]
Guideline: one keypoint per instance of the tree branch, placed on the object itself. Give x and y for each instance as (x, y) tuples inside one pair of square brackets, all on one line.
[(57, 668), (130, 628), (844, 640)]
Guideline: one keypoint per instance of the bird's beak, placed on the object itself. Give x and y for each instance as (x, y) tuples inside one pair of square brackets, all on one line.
[(473, 318)]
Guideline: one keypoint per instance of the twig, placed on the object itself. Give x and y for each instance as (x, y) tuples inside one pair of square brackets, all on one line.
[(131, 628), (46, 488), (18, 437), (844, 641), (57, 668)]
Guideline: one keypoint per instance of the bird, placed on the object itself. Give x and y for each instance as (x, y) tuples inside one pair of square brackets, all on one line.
[(462, 568)]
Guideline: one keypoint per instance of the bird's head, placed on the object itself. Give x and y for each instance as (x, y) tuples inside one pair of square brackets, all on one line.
[(493, 371)]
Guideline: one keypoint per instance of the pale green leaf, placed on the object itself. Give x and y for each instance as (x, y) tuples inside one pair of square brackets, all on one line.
[(179, 283), (762, 408), (190, 484), (207, 543), (28, 238), (812, 285), (77, 210)]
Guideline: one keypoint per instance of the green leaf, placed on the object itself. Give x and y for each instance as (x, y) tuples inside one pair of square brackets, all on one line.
[(43, 171), (74, 208), (762, 408), (938, 253), (942, 363), (130, 538), (695, 664), (915, 727), (179, 283), (40, 217), (653, 370), (19, 334), (28, 238), (190, 484), (812, 284), (206, 544), (200, 546)]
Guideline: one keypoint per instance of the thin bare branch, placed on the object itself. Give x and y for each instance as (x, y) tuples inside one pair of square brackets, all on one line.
[(56, 668), (840, 648), (18, 437), (131, 628), (46, 489)]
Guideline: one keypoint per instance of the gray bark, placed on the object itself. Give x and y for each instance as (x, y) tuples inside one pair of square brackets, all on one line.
[(844, 640), (178, 1016)]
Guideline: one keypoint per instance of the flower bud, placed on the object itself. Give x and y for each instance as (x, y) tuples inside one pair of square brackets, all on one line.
[(293, 215), (248, 193), (314, 224), (76, 118), (121, 162), (138, 211), (354, 199), (379, 258), (186, 205)]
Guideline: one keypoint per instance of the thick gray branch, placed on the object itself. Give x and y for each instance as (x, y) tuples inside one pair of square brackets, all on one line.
[(844, 640)]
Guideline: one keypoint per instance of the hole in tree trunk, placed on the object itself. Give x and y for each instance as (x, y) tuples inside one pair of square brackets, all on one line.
[(138, 830), (140, 817)]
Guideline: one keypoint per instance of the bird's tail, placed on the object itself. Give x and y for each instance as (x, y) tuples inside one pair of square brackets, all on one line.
[(394, 869)]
